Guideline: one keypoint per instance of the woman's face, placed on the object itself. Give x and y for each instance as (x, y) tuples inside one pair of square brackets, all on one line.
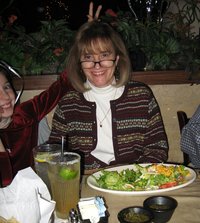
[(7, 98), (99, 68)]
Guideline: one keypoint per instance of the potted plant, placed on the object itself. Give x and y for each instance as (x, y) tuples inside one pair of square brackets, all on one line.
[(41, 52), (165, 42), (168, 43)]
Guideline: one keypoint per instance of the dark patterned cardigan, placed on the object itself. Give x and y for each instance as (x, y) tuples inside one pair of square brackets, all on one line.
[(138, 131)]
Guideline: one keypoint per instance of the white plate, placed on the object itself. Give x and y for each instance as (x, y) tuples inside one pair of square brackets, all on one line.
[(93, 184)]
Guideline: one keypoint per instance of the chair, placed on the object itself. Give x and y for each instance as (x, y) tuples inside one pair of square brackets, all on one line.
[(183, 120)]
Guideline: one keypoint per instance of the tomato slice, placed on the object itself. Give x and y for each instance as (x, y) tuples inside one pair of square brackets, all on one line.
[(169, 184)]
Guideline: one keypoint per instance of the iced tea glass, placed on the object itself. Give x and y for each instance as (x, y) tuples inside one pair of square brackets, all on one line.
[(42, 154), (64, 176)]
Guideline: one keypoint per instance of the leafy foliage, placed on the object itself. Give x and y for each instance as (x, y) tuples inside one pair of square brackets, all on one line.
[(40, 52), (168, 43)]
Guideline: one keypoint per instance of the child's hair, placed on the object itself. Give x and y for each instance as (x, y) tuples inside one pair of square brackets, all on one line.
[(4, 69), (9, 72)]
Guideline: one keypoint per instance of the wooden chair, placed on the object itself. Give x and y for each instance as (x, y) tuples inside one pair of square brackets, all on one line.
[(183, 120)]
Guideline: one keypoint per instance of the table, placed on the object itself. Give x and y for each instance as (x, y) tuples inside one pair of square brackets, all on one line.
[(188, 210)]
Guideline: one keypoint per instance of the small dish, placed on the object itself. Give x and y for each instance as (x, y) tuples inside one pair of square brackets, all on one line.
[(162, 207), (135, 214)]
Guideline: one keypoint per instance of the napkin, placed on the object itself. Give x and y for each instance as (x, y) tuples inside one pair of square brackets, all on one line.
[(27, 199), (92, 208)]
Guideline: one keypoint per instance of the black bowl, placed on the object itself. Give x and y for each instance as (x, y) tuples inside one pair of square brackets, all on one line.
[(162, 207), (130, 214)]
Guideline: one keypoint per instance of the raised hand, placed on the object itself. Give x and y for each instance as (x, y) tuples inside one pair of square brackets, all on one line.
[(91, 12)]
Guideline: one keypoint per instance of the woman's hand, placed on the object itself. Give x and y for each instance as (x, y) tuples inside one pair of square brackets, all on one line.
[(90, 15)]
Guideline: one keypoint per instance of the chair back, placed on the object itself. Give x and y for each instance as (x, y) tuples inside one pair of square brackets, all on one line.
[(183, 120)]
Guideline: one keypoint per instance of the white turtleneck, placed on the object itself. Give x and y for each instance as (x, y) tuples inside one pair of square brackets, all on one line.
[(104, 150)]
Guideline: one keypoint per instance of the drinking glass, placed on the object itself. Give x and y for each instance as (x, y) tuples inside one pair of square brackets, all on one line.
[(64, 176), (42, 154)]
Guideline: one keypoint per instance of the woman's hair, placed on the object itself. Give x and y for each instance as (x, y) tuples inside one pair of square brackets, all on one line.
[(94, 37)]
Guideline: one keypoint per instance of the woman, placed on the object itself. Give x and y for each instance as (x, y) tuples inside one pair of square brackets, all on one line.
[(105, 116)]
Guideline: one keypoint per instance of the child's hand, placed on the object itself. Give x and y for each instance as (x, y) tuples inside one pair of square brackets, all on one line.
[(90, 15)]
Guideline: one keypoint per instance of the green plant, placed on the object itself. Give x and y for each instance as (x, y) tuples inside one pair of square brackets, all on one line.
[(156, 43), (40, 52), (169, 43)]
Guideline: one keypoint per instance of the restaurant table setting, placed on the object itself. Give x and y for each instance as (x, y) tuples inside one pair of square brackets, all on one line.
[(28, 200), (187, 197)]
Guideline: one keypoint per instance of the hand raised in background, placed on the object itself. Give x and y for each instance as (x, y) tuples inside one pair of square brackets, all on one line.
[(91, 15)]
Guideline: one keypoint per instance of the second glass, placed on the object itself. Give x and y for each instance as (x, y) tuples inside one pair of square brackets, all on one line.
[(42, 154)]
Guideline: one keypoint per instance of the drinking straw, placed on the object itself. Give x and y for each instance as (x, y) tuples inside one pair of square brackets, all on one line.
[(62, 148)]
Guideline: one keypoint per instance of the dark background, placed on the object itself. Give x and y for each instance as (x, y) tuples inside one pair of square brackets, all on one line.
[(31, 12)]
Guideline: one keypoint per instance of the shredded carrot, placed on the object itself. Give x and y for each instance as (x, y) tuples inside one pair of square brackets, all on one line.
[(166, 170)]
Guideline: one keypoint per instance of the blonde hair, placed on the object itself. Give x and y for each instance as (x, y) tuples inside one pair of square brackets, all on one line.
[(94, 37)]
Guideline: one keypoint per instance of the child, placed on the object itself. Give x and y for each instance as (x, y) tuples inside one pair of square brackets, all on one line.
[(19, 122)]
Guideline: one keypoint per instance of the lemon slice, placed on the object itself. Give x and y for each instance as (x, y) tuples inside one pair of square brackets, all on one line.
[(43, 157), (67, 173)]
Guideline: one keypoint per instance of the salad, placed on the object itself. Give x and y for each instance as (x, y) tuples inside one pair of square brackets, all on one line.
[(140, 178)]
